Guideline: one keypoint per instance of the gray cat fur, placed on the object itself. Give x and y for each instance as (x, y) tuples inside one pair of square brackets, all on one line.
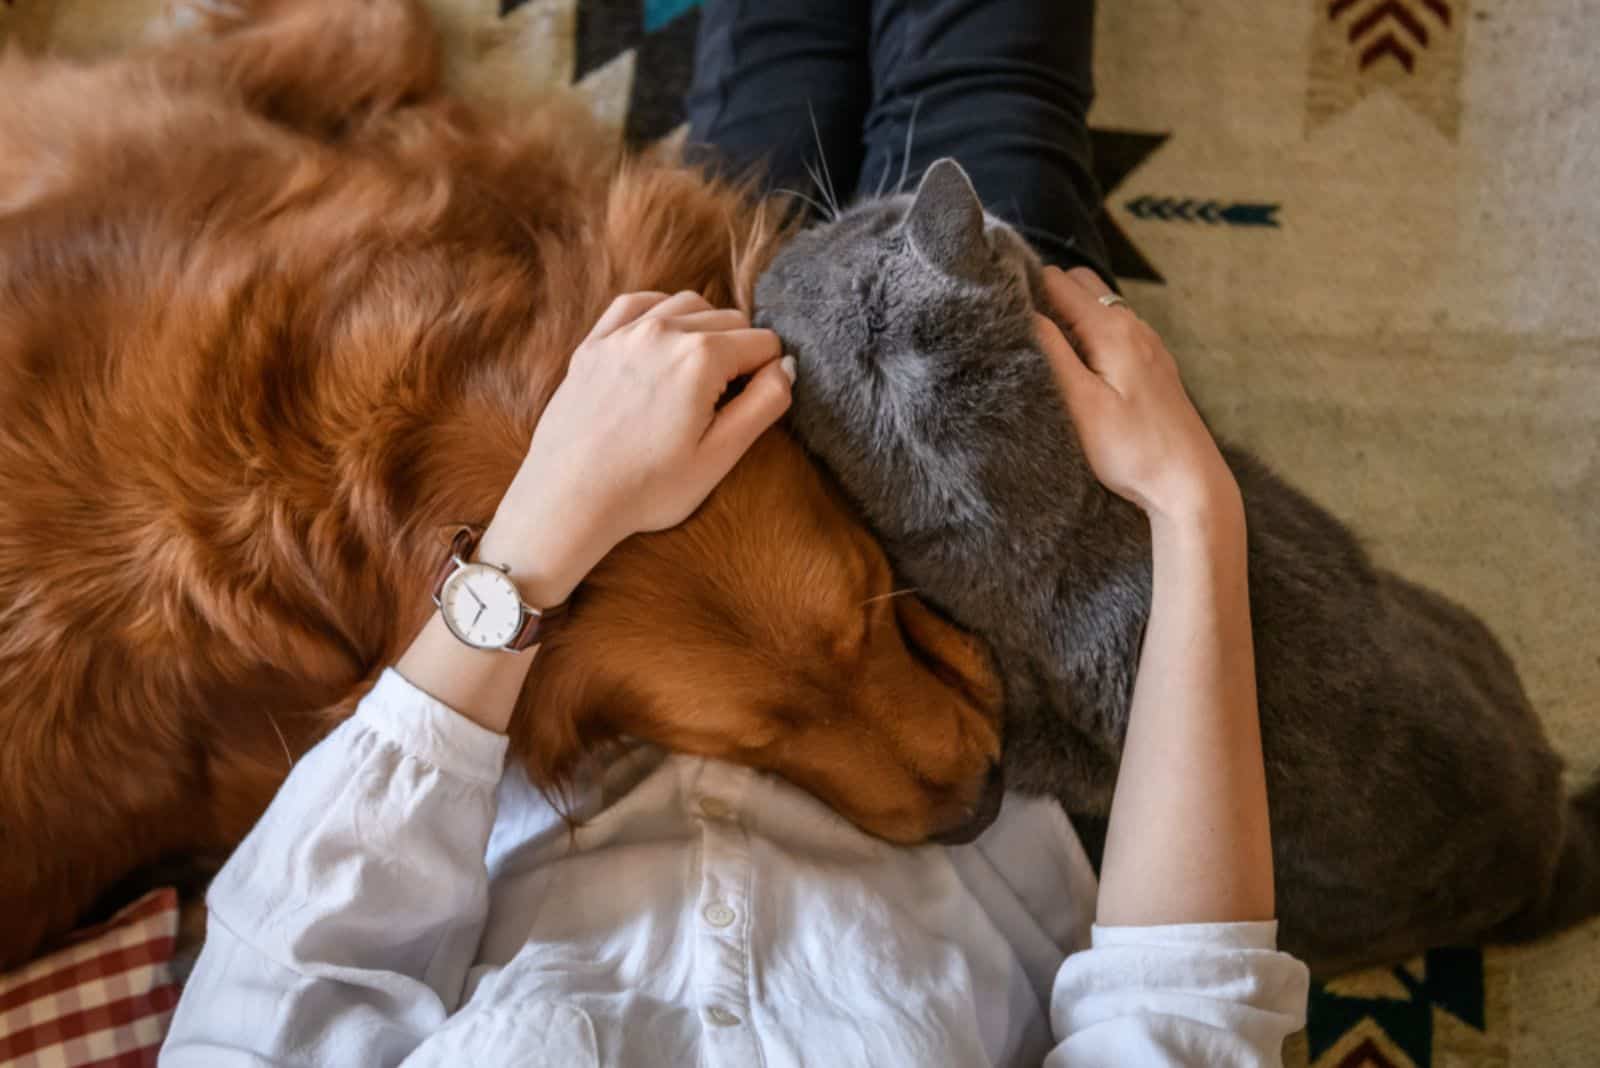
[(1415, 799)]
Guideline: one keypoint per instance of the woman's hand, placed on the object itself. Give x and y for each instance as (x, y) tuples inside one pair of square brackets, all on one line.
[(1139, 430), (633, 439)]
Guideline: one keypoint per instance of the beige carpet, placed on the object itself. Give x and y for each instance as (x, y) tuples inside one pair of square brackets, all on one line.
[(1416, 341)]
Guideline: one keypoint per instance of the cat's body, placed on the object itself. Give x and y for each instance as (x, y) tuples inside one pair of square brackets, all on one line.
[(1415, 800)]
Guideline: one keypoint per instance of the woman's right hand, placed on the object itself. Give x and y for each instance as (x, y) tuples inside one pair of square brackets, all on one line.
[(634, 439), (1139, 430)]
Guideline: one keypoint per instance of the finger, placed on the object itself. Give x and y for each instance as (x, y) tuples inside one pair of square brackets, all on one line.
[(622, 311), (714, 321), (1103, 294), (743, 352), (745, 418), (1077, 378), (1091, 281), (1104, 338), (1076, 307), (686, 302)]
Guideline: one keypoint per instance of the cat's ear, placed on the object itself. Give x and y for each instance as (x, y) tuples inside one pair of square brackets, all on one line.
[(945, 223)]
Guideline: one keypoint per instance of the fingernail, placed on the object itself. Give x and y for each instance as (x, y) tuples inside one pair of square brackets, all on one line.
[(787, 366)]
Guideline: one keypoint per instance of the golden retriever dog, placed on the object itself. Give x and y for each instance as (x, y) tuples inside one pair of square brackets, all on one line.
[(275, 312)]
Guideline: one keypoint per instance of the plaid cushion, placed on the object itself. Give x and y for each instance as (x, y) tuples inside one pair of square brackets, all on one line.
[(102, 1000)]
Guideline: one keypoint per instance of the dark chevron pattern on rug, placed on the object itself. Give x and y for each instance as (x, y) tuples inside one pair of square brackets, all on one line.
[(1117, 154), (1452, 982), (1187, 209), (661, 34)]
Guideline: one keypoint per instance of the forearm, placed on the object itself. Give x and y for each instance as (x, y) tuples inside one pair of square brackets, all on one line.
[(1189, 839), (548, 550)]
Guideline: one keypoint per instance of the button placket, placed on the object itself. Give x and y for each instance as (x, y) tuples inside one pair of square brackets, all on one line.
[(723, 967)]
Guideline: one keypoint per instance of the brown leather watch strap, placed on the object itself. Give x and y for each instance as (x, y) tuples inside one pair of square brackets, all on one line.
[(535, 622), (462, 543)]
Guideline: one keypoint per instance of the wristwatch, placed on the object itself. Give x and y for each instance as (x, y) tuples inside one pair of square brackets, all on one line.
[(480, 604)]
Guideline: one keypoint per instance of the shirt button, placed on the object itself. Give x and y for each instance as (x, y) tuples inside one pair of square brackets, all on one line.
[(722, 1017), (714, 808), (719, 915)]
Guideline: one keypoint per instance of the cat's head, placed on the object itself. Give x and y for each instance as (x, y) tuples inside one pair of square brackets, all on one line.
[(911, 320)]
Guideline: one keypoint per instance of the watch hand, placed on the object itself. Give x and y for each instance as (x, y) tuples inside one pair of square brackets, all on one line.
[(481, 607)]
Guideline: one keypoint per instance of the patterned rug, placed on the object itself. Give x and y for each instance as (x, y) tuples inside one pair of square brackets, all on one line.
[(1369, 229)]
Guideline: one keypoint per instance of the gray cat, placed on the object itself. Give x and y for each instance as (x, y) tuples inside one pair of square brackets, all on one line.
[(1415, 799)]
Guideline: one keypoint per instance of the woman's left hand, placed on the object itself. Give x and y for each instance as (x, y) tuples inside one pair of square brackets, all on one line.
[(1138, 428)]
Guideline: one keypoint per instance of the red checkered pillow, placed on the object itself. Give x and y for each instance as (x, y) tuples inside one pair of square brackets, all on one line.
[(104, 1000)]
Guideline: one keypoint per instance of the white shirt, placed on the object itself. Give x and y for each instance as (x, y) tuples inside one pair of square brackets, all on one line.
[(409, 899)]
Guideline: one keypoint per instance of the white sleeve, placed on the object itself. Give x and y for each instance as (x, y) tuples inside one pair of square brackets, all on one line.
[(342, 929), (1190, 994)]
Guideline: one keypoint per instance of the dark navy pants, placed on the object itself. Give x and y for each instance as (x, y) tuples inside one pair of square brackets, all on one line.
[(845, 86)]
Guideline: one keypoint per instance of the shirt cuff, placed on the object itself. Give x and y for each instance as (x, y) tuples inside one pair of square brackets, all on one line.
[(1261, 934), (432, 731)]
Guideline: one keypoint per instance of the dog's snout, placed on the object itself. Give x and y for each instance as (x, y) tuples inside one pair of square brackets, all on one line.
[(981, 813)]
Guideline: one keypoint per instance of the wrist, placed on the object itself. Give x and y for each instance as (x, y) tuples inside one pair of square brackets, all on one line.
[(1199, 496), (546, 543), (1212, 517)]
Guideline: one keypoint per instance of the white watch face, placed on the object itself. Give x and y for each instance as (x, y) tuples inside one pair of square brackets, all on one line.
[(481, 606)]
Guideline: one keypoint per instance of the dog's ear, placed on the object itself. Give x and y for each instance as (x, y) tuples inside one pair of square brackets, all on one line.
[(571, 707)]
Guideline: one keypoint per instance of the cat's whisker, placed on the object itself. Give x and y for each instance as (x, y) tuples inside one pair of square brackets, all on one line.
[(1037, 231), (883, 179), (288, 758), (816, 181), (828, 190), (830, 210), (905, 161), (887, 596), (802, 197)]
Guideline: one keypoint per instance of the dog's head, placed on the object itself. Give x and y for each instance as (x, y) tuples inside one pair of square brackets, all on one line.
[(767, 630)]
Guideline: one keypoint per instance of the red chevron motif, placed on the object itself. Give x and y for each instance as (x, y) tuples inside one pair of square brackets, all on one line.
[(1392, 40), (1387, 45), (1366, 1055)]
